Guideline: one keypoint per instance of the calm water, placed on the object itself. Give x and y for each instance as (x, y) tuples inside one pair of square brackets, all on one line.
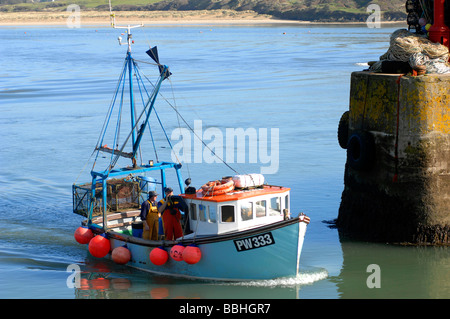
[(56, 85)]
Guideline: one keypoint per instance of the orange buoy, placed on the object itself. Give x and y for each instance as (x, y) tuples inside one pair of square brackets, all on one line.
[(177, 252), (121, 255), (99, 246), (83, 235), (192, 254), (158, 256)]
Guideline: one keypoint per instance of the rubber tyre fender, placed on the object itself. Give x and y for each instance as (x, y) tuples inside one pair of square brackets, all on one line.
[(342, 133), (361, 150)]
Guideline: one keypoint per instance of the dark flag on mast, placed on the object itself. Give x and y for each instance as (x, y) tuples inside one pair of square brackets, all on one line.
[(153, 53)]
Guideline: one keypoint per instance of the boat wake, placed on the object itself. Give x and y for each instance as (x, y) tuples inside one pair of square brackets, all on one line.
[(304, 278)]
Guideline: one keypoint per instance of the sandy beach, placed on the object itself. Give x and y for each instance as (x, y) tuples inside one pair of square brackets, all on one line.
[(102, 18)]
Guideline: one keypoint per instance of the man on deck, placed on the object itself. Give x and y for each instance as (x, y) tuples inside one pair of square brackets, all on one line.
[(149, 216), (171, 216)]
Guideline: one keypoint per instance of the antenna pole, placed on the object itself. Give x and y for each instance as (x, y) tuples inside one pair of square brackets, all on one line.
[(130, 70)]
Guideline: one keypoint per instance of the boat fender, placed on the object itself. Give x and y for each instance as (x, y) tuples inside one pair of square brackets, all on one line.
[(83, 235), (158, 256), (177, 252), (361, 150), (121, 255), (192, 254), (99, 246), (342, 133)]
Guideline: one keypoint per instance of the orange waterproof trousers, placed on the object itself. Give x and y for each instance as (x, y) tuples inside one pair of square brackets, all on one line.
[(172, 226)]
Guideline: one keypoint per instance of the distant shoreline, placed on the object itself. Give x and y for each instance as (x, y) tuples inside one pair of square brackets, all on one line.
[(102, 18)]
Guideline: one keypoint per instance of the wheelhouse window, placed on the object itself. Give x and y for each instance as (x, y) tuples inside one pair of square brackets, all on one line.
[(202, 212), (212, 214), (286, 202), (274, 206), (247, 211), (260, 208), (193, 211), (227, 212)]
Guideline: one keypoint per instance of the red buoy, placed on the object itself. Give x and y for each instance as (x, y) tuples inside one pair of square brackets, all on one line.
[(177, 252), (83, 235), (158, 256), (192, 254), (121, 255), (99, 246)]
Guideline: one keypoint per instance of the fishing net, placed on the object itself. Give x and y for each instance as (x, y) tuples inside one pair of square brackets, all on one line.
[(416, 50), (439, 65)]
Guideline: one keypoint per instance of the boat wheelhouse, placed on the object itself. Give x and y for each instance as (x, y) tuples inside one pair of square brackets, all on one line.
[(239, 210)]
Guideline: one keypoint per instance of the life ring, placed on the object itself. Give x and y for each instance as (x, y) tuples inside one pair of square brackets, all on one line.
[(218, 187), (342, 132), (361, 150)]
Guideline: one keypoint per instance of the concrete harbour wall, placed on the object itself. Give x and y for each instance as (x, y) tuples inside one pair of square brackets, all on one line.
[(397, 175)]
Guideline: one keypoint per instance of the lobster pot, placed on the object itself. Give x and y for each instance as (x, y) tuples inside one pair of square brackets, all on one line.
[(81, 199), (123, 194), (248, 180)]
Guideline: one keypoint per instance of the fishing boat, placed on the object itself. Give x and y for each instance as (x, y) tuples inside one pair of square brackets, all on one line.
[(235, 228)]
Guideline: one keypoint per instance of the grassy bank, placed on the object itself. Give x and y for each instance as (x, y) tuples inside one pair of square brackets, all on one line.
[(317, 11)]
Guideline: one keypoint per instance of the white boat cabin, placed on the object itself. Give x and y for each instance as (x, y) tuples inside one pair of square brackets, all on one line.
[(237, 210)]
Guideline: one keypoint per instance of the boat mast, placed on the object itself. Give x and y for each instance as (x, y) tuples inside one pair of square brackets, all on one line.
[(136, 133), (130, 73)]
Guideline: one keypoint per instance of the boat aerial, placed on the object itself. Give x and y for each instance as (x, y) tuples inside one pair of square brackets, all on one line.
[(234, 227)]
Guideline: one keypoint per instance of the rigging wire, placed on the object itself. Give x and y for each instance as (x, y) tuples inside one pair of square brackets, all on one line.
[(178, 120), (139, 81), (173, 106), (119, 122), (192, 130), (203, 142), (108, 116)]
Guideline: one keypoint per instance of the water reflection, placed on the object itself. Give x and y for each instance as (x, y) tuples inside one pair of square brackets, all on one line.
[(407, 272), (106, 280)]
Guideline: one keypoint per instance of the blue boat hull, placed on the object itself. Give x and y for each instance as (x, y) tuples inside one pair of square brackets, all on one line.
[(267, 252)]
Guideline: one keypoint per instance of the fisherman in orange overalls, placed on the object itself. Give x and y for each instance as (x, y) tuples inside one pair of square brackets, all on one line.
[(150, 216), (171, 216)]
